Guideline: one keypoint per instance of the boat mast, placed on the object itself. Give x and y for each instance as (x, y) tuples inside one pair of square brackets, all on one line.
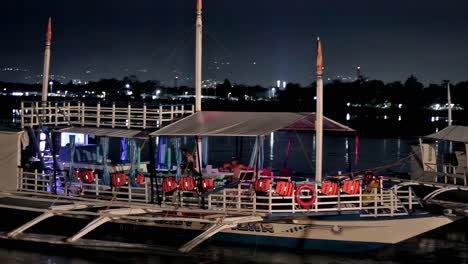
[(198, 57), (198, 75), (449, 97), (45, 74), (319, 115)]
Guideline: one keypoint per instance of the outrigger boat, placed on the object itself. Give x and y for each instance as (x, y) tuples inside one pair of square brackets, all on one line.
[(332, 214), (336, 214)]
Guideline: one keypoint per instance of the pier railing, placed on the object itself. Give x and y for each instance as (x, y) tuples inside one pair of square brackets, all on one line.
[(109, 115)]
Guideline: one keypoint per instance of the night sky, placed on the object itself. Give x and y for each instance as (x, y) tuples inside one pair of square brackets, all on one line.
[(251, 41)]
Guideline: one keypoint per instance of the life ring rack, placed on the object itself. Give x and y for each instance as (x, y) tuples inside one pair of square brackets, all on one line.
[(306, 204)]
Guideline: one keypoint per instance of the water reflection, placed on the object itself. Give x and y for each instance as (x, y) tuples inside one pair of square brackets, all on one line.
[(338, 151), (272, 145)]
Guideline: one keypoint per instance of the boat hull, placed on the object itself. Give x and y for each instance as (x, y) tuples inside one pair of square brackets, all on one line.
[(338, 234), (343, 235)]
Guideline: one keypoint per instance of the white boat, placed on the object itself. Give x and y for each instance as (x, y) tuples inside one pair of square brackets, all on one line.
[(328, 215)]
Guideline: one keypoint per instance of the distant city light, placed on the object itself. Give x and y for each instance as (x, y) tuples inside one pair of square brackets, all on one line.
[(284, 84), (399, 118), (348, 104), (278, 83), (400, 106), (127, 86), (348, 117)]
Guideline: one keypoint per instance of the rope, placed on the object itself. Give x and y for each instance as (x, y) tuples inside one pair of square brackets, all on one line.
[(312, 167)]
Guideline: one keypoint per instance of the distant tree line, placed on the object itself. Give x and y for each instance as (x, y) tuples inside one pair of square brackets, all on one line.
[(366, 99)]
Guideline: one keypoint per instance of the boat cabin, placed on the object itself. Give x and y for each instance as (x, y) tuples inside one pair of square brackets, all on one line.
[(442, 157)]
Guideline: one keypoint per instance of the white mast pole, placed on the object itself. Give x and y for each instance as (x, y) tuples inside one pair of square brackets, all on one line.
[(449, 97), (319, 115), (198, 57), (45, 74), (198, 75)]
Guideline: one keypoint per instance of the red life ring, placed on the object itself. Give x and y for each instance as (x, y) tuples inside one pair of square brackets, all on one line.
[(305, 204)]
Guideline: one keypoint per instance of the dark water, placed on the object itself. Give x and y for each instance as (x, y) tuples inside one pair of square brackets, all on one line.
[(339, 152), (445, 245)]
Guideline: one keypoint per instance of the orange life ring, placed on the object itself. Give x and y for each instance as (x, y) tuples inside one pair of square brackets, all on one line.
[(306, 204)]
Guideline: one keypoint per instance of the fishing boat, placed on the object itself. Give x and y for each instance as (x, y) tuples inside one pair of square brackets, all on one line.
[(251, 206)]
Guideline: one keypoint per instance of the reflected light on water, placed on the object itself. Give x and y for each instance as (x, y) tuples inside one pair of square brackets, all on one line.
[(272, 145), (346, 156)]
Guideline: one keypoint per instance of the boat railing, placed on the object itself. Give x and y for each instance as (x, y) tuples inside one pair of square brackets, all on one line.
[(368, 203), (127, 192), (36, 181), (110, 115), (39, 182), (407, 196)]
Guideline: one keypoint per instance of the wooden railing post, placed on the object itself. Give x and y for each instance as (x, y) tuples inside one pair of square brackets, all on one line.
[(410, 198), (22, 114), (35, 180), (33, 116), (160, 116), (146, 191), (113, 115), (129, 191), (172, 112), (98, 119), (97, 187), (129, 116), (83, 110), (19, 183), (144, 116)]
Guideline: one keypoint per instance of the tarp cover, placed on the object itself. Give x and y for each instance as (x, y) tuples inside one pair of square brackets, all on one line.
[(10, 158), (451, 133), (245, 124), (107, 132)]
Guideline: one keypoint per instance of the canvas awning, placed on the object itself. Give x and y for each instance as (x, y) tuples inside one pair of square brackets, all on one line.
[(210, 123), (105, 132), (451, 133)]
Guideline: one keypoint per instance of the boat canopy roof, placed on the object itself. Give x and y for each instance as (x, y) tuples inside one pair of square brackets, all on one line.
[(451, 133), (107, 132), (212, 123)]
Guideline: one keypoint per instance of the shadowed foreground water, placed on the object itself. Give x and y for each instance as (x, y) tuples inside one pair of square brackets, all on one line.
[(445, 245)]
